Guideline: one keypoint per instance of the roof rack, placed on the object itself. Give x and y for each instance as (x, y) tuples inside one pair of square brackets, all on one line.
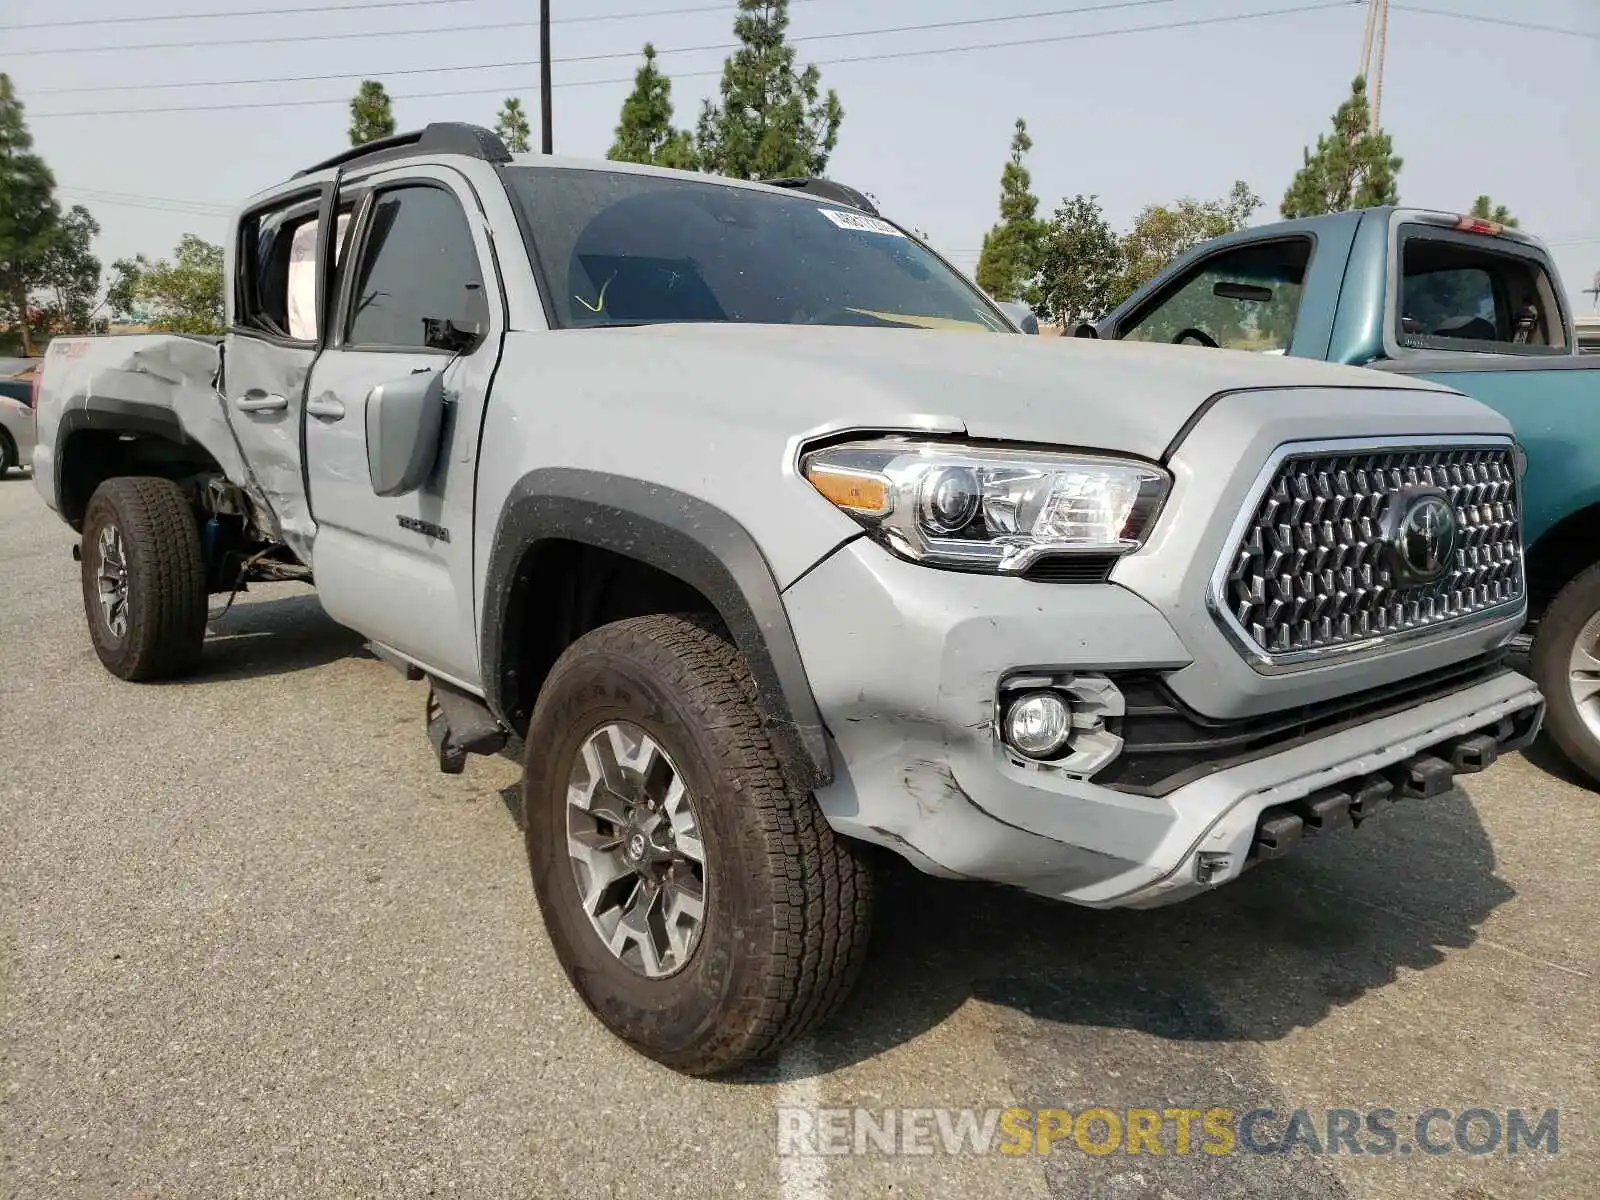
[(441, 137), (827, 189)]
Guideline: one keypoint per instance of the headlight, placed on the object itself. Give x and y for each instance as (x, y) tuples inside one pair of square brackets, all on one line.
[(988, 509)]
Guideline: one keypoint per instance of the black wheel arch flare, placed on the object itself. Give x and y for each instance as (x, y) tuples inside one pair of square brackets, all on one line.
[(680, 535)]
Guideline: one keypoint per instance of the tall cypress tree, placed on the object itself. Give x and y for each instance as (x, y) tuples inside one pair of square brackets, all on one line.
[(1010, 254), (772, 122), (512, 126), (644, 132), (1351, 168), (370, 115)]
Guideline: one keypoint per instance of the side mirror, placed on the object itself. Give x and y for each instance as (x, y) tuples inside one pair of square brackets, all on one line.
[(1021, 315), (404, 418), (1086, 330)]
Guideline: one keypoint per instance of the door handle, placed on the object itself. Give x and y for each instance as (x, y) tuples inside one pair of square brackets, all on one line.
[(256, 400), (325, 408)]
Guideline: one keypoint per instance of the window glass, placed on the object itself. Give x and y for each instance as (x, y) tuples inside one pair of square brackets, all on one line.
[(417, 283), (1243, 299), (278, 251), (620, 248), (1454, 290), (303, 273)]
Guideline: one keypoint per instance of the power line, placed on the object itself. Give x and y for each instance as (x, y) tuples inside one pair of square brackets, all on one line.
[(432, 31), (339, 8), (1506, 21), (149, 203), (1325, 6), (211, 206), (534, 62), (249, 12)]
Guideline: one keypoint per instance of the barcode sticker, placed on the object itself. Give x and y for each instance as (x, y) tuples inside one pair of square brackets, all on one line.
[(845, 219)]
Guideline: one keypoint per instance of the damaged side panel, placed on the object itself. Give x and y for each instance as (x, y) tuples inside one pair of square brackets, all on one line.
[(167, 385), (263, 383)]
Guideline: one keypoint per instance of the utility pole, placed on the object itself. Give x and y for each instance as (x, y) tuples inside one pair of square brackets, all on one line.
[(547, 128), (1374, 36)]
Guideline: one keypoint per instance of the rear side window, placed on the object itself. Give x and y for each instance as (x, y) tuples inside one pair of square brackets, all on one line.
[(418, 273), (1246, 298), (277, 270), (1461, 292)]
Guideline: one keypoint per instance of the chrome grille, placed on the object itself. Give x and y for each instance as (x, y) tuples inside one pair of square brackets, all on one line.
[(1313, 571)]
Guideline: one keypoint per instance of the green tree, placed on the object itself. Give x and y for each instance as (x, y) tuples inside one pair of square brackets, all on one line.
[(1008, 260), (1351, 168), (1161, 233), (1488, 210), (70, 272), (181, 296), (1079, 264), (644, 132), (512, 126), (773, 122), (29, 214), (370, 115)]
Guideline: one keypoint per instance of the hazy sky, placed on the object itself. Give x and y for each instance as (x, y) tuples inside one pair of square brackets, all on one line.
[(1136, 117)]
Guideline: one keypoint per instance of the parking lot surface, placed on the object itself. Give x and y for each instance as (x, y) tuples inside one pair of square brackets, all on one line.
[(252, 942)]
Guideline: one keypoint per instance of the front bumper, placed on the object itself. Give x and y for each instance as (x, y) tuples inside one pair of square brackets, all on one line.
[(905, 663)]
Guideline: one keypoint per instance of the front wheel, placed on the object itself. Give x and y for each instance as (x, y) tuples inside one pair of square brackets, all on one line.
[(1566, 666), (144, 583), (702, 907)]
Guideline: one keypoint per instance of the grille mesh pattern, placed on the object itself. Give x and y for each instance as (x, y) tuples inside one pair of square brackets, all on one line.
[(1312, 570)]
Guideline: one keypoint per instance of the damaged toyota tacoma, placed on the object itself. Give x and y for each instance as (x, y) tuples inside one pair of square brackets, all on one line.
[(692, 484)]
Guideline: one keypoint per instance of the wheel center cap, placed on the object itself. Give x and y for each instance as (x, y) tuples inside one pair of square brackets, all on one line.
[(636, 847)]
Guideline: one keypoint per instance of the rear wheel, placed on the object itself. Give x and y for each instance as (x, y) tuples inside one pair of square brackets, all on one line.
[(144, 585), (1566, 666), (702, 907), (8, 454)]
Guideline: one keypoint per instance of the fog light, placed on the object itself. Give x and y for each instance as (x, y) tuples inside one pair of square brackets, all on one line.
[(1038, 724)]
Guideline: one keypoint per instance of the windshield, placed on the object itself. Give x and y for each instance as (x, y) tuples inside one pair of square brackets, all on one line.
[(618, 248)]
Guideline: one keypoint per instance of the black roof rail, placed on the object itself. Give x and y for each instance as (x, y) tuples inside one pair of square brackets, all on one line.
[(827, 189), (441, 137)]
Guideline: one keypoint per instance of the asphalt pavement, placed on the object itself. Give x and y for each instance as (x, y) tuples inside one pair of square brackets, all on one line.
[(252, 942)]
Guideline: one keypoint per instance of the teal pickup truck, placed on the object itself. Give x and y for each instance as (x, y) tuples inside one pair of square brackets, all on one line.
[(1465, 302)]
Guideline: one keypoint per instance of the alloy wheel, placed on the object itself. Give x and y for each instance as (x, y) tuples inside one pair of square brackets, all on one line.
[(634, 842)]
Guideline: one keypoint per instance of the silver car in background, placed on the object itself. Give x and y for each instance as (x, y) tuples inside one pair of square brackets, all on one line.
[(16, 423)]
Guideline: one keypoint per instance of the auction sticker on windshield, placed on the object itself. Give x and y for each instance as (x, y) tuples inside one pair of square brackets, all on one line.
[(855, 220)]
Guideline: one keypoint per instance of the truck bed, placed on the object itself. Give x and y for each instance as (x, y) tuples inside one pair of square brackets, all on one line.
[(161, 382)]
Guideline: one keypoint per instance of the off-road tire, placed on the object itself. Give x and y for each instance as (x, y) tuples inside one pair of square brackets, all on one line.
[(165, 578), (1553, 643), (788, 903)]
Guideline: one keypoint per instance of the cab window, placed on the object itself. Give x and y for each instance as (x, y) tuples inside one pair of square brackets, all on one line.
[(1461, 292), (277, 291), (1245, 298)]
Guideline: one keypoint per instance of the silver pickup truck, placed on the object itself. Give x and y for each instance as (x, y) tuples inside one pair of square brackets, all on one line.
[(684, 480)]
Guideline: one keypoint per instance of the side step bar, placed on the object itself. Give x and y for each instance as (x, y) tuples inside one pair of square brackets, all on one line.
[(459, 723)]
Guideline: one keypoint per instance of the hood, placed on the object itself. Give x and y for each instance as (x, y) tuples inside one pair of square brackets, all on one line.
[(1124, 397)]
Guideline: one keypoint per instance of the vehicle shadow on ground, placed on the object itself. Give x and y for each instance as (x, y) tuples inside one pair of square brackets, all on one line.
[(273, 636), (1275, 951), (1544, 755)]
